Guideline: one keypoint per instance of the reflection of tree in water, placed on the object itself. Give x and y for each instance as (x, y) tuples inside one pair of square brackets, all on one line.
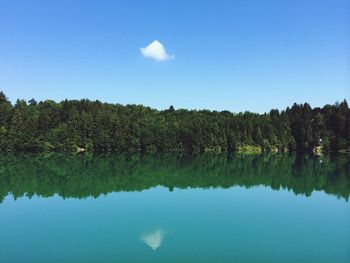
[(85, 175)]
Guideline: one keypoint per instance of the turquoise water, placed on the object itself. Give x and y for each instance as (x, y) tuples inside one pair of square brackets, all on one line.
[(174, 209)]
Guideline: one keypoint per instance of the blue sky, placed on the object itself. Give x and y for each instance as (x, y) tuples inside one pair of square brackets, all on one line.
[(233, 55)]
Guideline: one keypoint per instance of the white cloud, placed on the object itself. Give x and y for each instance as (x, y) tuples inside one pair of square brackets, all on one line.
[(156, 51), (154, 239)]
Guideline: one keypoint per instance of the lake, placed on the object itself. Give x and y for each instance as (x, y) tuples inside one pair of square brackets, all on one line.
[(168, 208)]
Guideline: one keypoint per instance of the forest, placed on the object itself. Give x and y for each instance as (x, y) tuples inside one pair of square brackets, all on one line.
[(94, 126)]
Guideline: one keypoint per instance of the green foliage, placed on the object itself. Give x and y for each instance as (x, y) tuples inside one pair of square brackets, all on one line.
[(102, 127)]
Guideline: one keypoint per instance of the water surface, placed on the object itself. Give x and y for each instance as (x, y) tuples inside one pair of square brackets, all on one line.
[(205, 208)]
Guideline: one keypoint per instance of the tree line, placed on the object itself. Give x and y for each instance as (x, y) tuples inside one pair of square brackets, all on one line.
[(103, 127)]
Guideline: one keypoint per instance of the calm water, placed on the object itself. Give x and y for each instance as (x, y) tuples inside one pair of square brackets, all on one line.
[(206, 208)]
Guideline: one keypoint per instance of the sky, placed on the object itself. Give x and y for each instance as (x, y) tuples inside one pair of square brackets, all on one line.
[(217, 55)]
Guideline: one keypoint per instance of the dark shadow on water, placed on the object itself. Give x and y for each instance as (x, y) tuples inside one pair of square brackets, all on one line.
[(87, 175)]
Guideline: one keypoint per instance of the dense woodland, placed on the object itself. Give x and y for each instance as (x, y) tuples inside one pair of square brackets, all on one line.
[(102, 127)]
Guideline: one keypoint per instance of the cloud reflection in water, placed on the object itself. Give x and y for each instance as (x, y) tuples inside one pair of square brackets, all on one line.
[(154, 239)]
